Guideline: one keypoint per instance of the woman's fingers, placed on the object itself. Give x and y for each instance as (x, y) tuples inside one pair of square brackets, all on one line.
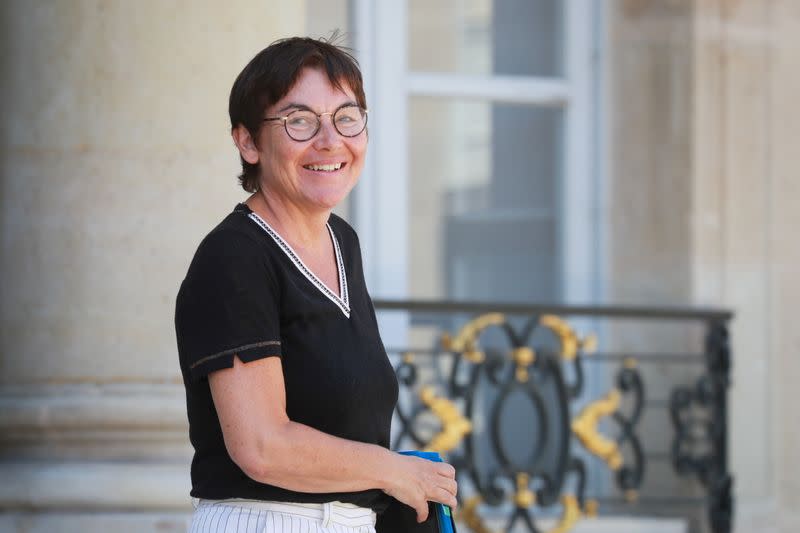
[(447, 481), (444, 486), (446, 470), (422, 511), (444, 496)]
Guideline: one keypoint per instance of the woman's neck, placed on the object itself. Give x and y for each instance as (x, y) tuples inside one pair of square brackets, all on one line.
[(303, 230)]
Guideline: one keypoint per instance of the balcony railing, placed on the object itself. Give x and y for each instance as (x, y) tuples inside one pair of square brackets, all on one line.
[(560, 413)]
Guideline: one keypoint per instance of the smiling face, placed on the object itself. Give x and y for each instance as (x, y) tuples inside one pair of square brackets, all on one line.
[(317, 174)]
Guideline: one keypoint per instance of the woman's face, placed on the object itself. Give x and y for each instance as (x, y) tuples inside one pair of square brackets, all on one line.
[(293, 170)]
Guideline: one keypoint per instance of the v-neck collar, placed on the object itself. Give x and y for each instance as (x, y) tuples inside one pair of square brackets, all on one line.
[(342, 300)]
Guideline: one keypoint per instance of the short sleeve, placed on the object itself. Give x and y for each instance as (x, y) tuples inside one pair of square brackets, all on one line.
[(227, 306)]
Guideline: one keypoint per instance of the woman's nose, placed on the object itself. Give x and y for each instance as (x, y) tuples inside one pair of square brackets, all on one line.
[(327, 135)]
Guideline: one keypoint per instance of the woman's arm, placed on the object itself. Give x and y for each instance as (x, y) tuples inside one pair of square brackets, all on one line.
[(251, 403)]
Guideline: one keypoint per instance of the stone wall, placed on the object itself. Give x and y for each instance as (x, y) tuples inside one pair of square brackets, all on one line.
[(116, 160), (703, 181), (745, 123)]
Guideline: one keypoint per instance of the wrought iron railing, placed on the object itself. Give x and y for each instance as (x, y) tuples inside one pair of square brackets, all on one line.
[(546, 424)]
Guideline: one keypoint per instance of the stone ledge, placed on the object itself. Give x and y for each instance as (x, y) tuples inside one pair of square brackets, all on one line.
[(179, 523), (94, 486), (93, 422), (604, 524), (87, 407), (84, 522), (631, 525)]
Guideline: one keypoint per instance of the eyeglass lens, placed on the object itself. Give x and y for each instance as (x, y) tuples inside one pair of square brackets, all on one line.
[(303, 124)]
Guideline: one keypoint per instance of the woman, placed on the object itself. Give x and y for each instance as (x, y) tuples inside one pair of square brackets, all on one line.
[(289, 390)]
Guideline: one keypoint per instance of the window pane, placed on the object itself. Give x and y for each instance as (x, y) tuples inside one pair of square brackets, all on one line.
[(514, 37), (484, 200)]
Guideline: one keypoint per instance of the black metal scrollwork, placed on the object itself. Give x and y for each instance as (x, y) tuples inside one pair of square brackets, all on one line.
[(489, 382), (699, 416), (631, 474), (501, 402)]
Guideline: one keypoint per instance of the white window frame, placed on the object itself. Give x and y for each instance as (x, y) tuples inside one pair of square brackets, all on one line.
[(380, 41)]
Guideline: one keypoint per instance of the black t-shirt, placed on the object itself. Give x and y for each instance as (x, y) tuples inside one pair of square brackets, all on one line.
[(247, 294)]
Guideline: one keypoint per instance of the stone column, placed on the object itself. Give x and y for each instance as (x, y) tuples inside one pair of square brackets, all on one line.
[(731, 183), (745, 248), (784, 284), (116, 160), (704, 186), (649, 75)]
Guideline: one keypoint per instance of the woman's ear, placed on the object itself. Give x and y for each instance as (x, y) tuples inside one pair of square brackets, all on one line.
[(245, 143)]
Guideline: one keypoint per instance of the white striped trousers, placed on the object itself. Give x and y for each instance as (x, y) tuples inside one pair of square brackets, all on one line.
[(245, 516)]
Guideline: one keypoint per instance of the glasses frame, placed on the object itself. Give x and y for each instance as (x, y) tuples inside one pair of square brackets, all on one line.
[(319, 116)]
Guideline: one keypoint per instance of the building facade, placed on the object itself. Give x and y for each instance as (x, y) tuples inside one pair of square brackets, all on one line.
[(638, 152)]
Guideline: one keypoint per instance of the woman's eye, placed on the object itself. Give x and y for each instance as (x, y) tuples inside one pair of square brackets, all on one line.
[(348, 116)]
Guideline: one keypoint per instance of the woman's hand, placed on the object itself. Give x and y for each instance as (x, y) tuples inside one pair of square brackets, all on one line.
[(416, 481)]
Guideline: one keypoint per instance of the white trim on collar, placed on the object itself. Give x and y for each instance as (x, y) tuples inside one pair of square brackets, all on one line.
[(342, 302)]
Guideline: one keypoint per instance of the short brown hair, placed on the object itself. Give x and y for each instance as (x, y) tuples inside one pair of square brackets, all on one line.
[(271, 74)]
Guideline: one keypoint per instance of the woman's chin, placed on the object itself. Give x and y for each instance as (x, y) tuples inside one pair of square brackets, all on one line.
[(328, 200)]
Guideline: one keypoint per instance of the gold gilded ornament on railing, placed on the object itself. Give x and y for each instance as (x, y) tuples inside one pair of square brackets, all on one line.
[(465, 341), (524, 497), (570, 343), (454, 425), (570, 516), (585, 428), (523, 357), (590, 509), (469, 515)]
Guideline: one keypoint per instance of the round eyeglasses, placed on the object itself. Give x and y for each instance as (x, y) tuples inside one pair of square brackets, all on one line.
[(302, 124)]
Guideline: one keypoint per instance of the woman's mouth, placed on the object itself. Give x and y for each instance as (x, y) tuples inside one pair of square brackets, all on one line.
[(332, 167)]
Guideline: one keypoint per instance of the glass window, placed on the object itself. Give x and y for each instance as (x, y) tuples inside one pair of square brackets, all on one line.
[(483, 37), (483, 200)]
